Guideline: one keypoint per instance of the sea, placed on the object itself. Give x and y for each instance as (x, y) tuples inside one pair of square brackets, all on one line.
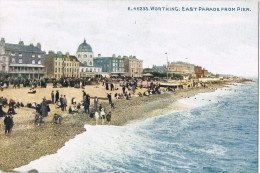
[(219, 133)]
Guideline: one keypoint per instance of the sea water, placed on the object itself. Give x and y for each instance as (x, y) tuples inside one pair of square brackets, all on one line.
[(219, 134)]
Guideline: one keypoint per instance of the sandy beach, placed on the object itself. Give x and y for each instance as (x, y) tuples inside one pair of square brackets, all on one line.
[(28, 142)]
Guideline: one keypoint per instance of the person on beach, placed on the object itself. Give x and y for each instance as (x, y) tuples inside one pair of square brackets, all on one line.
[(2, 113), (65, 102), (86, 104), (84, 94), (8, 122), (109, 117), (57, 96), (11, 110), (44, 108), (103, 116), (57, 119), (96, 117), (73, 110), (73, 101), (52, 96), (109, 96), (61, 102), (95, 103), (38, 119)]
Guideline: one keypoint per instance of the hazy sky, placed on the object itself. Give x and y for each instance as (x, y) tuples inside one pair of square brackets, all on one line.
[(222, 42)]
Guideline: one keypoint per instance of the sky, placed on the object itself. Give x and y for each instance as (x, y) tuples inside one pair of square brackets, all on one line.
[(224, 42)]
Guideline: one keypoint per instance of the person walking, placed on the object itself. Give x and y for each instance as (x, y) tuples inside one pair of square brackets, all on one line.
[(52, 96), (57, 96), (65, 102), (8, 122), (109, 96)]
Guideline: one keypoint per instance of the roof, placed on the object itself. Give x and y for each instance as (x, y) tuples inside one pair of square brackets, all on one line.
[(84, 47), (22, 48)]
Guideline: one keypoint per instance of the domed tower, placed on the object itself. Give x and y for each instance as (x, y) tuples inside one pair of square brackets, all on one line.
[(85, 54)]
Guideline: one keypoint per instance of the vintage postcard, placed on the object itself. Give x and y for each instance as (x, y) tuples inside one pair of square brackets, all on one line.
[(129, 86)]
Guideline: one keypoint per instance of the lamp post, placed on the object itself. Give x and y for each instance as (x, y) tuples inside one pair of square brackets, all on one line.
[(166, 64)]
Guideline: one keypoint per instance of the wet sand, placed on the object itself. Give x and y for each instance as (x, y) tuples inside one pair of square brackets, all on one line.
[(29, 142)]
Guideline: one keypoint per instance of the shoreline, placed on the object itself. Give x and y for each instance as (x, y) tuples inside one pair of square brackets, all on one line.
[(49, 138)]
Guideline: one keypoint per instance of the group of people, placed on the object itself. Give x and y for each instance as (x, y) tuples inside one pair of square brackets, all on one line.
[(59, 100)]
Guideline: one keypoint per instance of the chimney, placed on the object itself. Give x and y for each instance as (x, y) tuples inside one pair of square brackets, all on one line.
[(38, 45), (99, 55), (67, 53), (21, 43), (114, 55), (2, 40)]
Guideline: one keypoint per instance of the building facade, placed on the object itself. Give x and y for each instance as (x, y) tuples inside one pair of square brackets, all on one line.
[(4, 58), (198, 71), (59, 65), (23, 60), (113, 65), (180, 68), (133, 66), (159, 69), (85, 56)]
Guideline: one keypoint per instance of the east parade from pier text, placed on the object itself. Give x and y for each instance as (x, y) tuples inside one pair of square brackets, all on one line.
[(214, 9)]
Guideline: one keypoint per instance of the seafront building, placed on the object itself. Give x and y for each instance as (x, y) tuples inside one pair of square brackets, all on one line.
[(21, 60), (59, 65), (133, 66), (180, 68), (113, 65), (85, 56), (159, 69)]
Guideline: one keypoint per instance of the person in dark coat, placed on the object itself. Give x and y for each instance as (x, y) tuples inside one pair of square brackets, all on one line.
[(52, 96), (109, 96), (57, 96), (44, 108), (2, 113), (8, 122), (87, 103), (109, 117)]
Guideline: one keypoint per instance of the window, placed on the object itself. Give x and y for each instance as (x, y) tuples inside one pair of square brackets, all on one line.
[(13, 53), (39, 62), (39, 56), (55, 71), (90, 63), (33, 55), (90, 56), (20, 60), (33, 61), (4, 58), (13, 60), (20, 54)]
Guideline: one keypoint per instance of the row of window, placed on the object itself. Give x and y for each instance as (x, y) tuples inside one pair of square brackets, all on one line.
[(26, 69), (84, 56), (68, 70), (66, 64), (65, 75), (20, 55), (20, 61), (90, 70)]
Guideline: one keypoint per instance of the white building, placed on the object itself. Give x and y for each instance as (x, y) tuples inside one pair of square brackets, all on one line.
[(85, 56)]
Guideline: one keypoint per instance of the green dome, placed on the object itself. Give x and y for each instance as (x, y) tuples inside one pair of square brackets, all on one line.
[(84, 47)]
